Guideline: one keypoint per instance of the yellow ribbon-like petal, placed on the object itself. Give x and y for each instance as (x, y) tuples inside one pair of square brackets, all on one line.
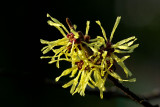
[(87, 27), (65, 72), (114, 28), (56, 21), (103, 31), (121, 63)]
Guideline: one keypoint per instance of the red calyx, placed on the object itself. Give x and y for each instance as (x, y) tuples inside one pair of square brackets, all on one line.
[(71, 38), (79, 64)]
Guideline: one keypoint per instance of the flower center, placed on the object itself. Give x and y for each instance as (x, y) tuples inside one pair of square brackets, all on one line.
[(108, 48), (71, 38), (79, 64)]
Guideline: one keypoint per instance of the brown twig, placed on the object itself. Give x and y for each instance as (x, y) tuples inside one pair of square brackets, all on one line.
[(110, 93), (129, 93)]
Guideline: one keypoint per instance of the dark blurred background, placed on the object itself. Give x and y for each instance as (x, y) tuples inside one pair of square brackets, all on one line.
[(23, 75)]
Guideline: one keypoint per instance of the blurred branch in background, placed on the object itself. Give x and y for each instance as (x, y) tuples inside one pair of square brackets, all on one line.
[(130, 94), (113, 92), (110, 93)]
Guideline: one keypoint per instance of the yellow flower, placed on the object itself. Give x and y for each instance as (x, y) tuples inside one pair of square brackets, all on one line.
[(104, 56), (92, 60), (74, 52), (107, 53), (85, 69), (67, 44)]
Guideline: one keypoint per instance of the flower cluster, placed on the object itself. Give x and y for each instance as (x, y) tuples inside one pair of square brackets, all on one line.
[(92, 60)]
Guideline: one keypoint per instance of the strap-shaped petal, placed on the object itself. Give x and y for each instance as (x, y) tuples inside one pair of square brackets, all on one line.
[(44, 41), (56, 21), (42, 57), (75, 26), (127, 47), (124, 41), (57, 64), (74, 72), (53, 24), (75, 83), (87, 27), (68, 84), (74, 86), (103, 31), (121, 63), (83, 82), (57, 26), (115, 75), (130, 43), (92, 86), (52, 44), (79, 87), (114, 28), (103, 62), (130, 50), (65, 72), (124, 58), (62, 59)]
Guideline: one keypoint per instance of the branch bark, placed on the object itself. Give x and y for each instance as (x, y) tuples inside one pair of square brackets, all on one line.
[(110, 93), (129, 93)]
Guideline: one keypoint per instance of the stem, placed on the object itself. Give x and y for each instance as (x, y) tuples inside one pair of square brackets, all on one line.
[(107, 94), (129, 93)]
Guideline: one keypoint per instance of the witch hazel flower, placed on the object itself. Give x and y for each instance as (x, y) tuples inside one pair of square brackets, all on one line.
[(67, 44), (71, 47), (104, 55), (107, 53), (92, 60)]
